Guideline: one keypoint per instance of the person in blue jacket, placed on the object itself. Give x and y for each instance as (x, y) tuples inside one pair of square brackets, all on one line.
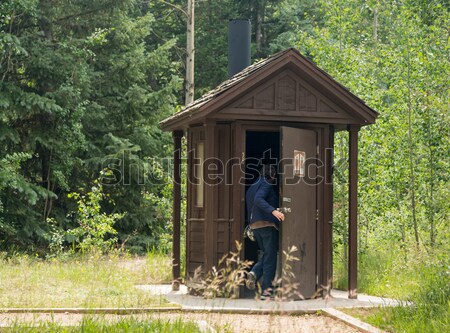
[(263, 217)]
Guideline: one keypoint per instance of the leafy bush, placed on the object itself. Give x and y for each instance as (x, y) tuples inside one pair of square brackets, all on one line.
[(95, 227)]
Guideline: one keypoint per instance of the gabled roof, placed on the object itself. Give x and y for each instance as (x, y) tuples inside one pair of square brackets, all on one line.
[(207, 104)]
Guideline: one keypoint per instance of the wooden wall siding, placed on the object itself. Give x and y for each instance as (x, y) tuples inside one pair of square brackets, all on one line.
[(265, 99), (196, 245), (306, 99), (236, 212), (222, 191), (223, 238), (195, 224), (287, 94)]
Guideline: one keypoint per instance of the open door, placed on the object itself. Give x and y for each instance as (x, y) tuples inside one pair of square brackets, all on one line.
[(299, 200)]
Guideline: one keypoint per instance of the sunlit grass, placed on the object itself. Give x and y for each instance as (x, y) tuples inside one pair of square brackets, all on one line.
[(125, 325), (418, 278), (388, 271), (82, 282)]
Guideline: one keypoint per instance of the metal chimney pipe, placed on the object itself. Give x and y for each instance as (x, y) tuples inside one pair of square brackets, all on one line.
[(239, 44)]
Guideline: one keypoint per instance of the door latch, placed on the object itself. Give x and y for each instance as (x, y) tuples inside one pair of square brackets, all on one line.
[(285, 209)]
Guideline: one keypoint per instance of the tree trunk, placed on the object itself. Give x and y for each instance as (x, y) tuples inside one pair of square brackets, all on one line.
[(375, 29), (412, 175), (431, 183), (260, 5), (190, 53)]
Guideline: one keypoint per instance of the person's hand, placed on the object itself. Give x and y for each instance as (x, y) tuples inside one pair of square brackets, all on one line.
[(279, 215)]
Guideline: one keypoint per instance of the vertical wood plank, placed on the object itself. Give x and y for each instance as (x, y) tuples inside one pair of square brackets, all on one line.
[(300, 225), (177, 135), (238, 193), (327, 247), (237, 211), (210, 231), (189, 205), (320, 203), (353, 213), (225, 188)]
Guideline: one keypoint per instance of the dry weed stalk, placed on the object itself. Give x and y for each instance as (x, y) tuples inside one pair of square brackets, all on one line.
[(287, 289), (225, 280)]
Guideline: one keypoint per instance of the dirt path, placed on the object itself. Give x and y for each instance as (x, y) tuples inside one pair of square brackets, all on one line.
[(221, 322)]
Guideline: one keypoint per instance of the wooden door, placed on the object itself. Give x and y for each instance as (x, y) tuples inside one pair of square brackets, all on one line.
[(299, 199)]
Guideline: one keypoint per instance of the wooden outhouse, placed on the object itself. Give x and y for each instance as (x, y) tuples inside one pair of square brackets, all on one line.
[(282, 110)]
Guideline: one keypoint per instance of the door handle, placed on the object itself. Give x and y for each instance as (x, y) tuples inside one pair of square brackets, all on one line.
[(285, 210)]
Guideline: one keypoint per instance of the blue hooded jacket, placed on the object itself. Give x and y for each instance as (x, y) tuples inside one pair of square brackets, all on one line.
[(261, 200)]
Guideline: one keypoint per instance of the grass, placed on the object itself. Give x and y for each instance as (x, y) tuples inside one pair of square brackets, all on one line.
[(419, 277), (82, 282), (89, 325)]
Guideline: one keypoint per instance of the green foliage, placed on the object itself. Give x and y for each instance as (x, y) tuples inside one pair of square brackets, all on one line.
[(80, 83), (418, 279), (84, 84), (428, 307), (394, 57), (275, 20), (94, 325), (80, 281), (96, 228), (12, 183)]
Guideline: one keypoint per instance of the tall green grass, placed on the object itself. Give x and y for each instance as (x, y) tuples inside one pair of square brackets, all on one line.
[(99, 326), (419, 278), (81, 282), (429, 310)]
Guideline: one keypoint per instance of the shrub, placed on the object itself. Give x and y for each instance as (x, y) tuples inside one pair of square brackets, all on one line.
[(93, 235)]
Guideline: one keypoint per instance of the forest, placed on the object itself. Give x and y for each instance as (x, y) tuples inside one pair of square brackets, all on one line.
[(86, 82)]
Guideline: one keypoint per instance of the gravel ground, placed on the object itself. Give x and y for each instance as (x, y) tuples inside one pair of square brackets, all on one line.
[(221, 322)]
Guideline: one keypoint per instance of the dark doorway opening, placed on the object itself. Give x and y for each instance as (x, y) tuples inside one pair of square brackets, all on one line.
[(260, 148)]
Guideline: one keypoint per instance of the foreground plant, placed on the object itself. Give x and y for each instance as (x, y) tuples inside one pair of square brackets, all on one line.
[(286, 287), (94, 325), (93, 235), (225, 280)]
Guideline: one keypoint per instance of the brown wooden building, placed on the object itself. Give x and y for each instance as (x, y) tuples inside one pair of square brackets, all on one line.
[(283, 109)]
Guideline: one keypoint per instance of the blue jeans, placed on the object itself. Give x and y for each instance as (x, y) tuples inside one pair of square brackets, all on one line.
[(266, 267)]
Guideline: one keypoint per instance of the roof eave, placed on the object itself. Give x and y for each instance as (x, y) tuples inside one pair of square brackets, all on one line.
[(365, 113), (361, 111)]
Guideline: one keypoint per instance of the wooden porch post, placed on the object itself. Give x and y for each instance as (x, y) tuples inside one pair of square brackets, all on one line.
[(210, 206), (176, 213), (327, 240), (353, 212)]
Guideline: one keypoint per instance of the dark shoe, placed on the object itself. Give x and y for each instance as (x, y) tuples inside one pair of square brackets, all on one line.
[(251, 281), (266, 296)]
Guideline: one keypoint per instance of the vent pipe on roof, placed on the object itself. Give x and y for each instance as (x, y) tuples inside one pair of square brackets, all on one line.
[(239, 44)]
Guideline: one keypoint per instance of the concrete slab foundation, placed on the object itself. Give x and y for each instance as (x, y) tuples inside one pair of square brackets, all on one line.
[(338, 299)]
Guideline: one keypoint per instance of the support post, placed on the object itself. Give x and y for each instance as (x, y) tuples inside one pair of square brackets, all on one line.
[(176, 213), (327, 221), (353, 213), (210, 205)]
